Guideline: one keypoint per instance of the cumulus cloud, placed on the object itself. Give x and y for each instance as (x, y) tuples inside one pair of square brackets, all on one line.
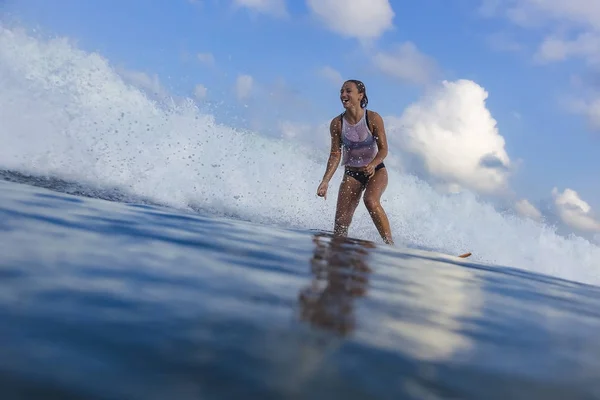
[(535, 13), (567, 29), (275, 8), (243, 86), (200, 91), (575, 212), (526, 209), (407, 63), (570, 28), (331, 75), (455, 138), (555, 48), (361, 19), (590, 108), (206, 58)]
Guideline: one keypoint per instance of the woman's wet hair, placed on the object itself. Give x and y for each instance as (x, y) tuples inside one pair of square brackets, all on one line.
[(361, 89)]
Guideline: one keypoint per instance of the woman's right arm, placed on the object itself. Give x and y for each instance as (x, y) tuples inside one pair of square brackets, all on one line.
[(335, 154)]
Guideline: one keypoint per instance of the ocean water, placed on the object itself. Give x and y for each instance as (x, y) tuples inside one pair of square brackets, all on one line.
[(102, 299), (149, 252)]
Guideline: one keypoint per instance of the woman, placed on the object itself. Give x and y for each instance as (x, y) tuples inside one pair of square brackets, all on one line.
[(358, 139)]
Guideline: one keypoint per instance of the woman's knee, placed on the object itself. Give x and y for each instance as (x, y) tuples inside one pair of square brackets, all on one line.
[(372, 203)]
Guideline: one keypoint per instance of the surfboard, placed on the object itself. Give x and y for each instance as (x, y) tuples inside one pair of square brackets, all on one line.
[(330, 234)]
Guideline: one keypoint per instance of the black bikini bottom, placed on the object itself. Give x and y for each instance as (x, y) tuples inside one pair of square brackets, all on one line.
[(360, 175)]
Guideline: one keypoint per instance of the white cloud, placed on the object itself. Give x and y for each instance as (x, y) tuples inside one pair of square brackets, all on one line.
[(554, 48), (455, 136), (567, 29), (576, 13), (206, 58), (331, 75), (574, 211), (588, 108), (407, 63), (570, 28), (274, 8), (200, 91), (526, 209), (361, 19), (243, 86)]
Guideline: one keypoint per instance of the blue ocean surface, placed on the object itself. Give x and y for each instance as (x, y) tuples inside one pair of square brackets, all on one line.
[(107, 300), (149, 251)]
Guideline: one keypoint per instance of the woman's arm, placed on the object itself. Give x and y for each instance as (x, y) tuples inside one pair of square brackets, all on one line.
[(380, 137), (335, 153)]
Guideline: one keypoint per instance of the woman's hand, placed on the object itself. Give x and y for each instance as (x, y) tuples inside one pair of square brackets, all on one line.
[(369, 170), (322, 189)]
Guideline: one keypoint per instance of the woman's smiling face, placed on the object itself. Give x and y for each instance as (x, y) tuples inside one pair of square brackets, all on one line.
[(350, 96)]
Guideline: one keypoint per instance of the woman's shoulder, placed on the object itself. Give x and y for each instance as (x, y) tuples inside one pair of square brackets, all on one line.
[(374, 121), (374, 118), (336, 122), (372, 114)]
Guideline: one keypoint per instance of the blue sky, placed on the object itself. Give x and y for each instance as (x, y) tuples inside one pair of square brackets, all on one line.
[(535, 61)]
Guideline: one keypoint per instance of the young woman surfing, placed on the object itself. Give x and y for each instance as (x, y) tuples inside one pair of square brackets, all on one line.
[(358, 139)]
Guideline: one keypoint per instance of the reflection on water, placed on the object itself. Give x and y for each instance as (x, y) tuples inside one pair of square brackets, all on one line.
[(340, 275), (428, 308)]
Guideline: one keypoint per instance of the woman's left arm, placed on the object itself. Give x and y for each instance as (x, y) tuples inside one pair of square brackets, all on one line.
[(381, 138)]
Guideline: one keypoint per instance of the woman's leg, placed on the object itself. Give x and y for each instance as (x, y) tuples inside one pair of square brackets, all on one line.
[(348, 198), (375, 188)]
